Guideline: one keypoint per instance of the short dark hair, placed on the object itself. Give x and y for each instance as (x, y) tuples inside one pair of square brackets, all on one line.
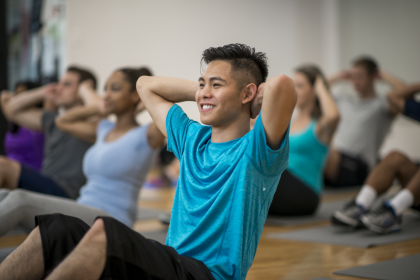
[(84, 74), (250, 65), (132, 75), (368, 63)]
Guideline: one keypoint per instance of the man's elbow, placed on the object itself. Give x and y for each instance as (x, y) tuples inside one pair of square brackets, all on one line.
[(142, 84)]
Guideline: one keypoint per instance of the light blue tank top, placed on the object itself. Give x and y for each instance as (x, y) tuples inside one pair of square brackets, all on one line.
[(307, 156), (115, 172)]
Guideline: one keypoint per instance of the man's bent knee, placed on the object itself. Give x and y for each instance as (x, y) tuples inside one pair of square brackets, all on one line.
[(4, 164), (396, 158), (97, 232)]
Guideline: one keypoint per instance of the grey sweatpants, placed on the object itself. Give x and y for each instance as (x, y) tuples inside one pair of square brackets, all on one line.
[(19, 207)]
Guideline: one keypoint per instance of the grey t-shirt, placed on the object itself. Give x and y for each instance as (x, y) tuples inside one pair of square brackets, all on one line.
[(363, 126), (63, 156)]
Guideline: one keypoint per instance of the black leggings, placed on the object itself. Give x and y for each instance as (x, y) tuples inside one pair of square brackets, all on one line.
[(293, 198)]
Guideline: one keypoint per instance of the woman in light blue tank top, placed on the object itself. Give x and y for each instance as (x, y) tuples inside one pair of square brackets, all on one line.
[(311, 132), (115, 166)]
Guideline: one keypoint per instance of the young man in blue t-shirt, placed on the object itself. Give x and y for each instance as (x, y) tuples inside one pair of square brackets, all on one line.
[(228, 176)]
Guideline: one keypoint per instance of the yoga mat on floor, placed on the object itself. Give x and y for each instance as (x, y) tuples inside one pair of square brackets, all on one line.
[(323, 213), (17, 231), (321, 278), (340, 190), (362, 238), (406, 268), (158, 235), (4, 252), (148, 213)]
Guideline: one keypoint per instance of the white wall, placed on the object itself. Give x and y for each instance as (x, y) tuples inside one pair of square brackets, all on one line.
[(390, 31), (169, 36)]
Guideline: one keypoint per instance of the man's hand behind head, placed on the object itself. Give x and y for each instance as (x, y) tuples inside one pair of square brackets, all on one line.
[(50, 92), (257, 101)]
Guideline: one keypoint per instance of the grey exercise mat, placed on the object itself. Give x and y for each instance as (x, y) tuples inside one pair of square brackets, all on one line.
[(158, 235), (17, 231), (323, 213), (322, 278), (362, 238), (148, 213), (406, 268), (4, 252), (340, 190)]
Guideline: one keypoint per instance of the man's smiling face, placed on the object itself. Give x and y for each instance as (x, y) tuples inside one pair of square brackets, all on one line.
[(218, 98)]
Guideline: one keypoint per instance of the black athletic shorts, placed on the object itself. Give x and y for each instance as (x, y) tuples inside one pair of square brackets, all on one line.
[(412, 109), (129, 255), (352, 171), (293, 198)]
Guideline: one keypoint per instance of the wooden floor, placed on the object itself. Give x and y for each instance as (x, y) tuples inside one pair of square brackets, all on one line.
[(281, 259)]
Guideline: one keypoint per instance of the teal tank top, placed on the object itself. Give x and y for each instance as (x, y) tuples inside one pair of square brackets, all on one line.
[(307, 156)]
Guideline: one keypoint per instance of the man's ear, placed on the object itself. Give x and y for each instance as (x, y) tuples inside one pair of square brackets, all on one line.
[(250, 91)]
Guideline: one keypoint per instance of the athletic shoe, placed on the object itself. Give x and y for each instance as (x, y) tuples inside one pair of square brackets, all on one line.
[(382, 220), (349, 216)]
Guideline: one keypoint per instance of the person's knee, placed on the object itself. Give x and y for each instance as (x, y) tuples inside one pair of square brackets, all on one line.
[(4, 164), (396, 158), (19, 197), (97, 232), (396, 103)]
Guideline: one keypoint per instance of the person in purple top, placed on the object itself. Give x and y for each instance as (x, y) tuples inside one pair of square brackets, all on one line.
[(21, 144)]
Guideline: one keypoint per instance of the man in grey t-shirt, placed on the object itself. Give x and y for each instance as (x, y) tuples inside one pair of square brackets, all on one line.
[(61, 173), (365, 121)]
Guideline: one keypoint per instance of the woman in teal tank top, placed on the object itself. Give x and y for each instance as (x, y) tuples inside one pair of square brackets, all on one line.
[(311, 132)]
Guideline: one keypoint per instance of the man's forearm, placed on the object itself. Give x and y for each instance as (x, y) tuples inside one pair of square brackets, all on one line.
[(25, 100), (392, 80), (170, 89), (408, 91), (89, 97), (79, 113)]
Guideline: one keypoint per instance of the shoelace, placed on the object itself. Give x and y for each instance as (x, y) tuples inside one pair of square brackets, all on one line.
[(380, 210)]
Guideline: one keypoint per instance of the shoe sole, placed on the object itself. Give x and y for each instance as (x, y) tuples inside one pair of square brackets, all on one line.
[(379, 229), (343, 220)]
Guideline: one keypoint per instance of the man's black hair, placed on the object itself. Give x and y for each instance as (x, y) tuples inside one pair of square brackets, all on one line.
[(84, 74), (250, 66), (368, 63)]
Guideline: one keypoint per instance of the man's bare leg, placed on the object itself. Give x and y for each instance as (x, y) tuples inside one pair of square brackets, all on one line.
[(9, 173), (332, 165), (394, 165), (396, 103), (87, 260), (414, 187), (27, 261)]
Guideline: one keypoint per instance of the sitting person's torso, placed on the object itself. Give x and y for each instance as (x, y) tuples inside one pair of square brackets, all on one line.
[(363, 126), (115, 172), (223, 194), (63, 156), (307, 156), (25, 146)]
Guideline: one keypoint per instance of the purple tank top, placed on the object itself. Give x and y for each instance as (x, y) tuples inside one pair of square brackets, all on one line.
[(25, 146)]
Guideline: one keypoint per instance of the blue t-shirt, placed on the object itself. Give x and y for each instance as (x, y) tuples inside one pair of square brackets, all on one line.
[(116, 170), (307, 157), (223, 195)]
